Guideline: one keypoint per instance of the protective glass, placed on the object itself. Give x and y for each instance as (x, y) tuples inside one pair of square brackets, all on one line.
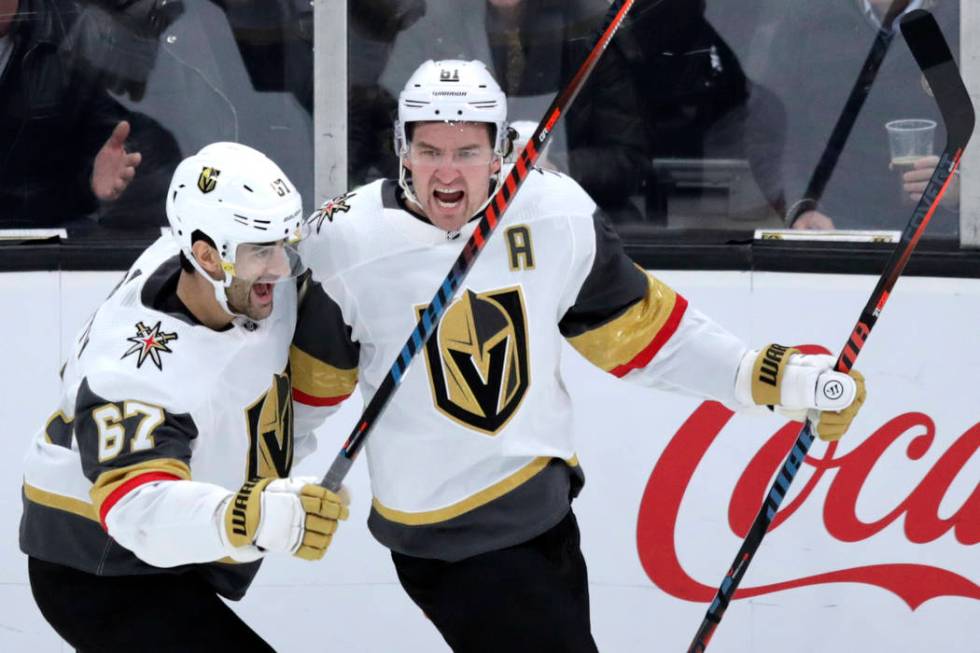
[(428, 156), (267, 262)]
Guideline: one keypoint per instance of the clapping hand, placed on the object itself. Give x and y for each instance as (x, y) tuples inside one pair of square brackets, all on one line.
[(114, 167)]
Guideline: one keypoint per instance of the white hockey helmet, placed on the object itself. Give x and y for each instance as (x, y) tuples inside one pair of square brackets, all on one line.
[(242, 201), (454, 91), (450, 90)]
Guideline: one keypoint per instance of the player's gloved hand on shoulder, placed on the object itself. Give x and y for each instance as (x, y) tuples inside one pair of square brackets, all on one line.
[(798, 385), (286, 515)]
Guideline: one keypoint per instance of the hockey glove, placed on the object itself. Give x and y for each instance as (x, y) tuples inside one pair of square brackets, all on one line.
[(287, 515), (798, 385)]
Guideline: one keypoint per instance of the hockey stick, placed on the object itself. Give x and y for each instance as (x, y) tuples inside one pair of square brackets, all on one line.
[(934, 58), (845, 122), (488, 222), (849, 114)]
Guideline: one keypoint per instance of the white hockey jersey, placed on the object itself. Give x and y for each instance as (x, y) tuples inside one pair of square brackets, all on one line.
[(149, 396), (474, 452)]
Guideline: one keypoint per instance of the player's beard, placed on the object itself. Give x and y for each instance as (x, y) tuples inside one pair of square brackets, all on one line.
[(253, 300)]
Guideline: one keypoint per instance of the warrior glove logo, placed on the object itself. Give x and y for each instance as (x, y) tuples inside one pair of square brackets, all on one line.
[(478, 359), (208, 179)]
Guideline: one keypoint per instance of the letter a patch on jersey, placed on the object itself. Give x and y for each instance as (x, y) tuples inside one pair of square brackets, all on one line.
[(477, 359)]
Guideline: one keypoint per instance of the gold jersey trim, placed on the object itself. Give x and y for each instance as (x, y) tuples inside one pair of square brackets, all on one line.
[(620, 340), (317, 379), (60, 416), (481, 498), (60, 502)]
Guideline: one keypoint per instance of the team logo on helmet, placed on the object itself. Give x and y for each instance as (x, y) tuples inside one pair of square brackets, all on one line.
[(330, 207), (208, 179), (478, 359), (148, 343)]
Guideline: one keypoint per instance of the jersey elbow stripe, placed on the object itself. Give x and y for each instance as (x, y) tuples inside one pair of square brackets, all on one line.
[(632, 339), (316, 383), (129, 486), (114, 484), (663, 335), (310, 400)]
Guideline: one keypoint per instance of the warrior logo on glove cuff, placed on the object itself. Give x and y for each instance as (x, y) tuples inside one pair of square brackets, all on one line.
[(477, 359)]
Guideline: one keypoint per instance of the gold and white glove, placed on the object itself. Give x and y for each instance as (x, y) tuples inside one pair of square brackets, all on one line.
[(286, 515), (798, 385)]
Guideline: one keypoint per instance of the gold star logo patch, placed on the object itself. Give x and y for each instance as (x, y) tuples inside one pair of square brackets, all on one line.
[(330, 207), (148, 343)]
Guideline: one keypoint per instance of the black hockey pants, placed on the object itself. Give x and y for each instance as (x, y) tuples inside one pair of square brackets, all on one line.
[(531, 597), (178, 613)]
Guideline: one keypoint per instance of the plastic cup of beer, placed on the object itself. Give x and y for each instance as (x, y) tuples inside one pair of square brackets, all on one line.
[(910, 140)]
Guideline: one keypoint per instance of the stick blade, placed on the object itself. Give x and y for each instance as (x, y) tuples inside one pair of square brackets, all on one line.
[(931, 52)]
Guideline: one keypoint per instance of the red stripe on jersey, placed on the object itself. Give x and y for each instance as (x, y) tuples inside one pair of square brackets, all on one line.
[(129, 486), (669, 328), (310, 400)]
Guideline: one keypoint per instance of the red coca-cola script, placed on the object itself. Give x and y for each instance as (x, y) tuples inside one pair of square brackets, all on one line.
[(845, 477)]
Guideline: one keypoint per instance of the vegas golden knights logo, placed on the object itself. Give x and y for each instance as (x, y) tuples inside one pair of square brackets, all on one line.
[(270, 431), (208, 179), (478, 359)]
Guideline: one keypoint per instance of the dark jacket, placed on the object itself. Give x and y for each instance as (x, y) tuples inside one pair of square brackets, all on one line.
[(605, 132), (55, 120), (690, 84)]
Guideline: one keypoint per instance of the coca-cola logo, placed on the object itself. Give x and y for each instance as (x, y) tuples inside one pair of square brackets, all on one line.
[(845, 477)]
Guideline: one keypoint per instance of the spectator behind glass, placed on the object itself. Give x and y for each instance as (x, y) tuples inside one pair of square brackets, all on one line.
[(533, 48), (372, 29), (692, 90), (691, 85), (208, 75), (62, 139), (817, 51)]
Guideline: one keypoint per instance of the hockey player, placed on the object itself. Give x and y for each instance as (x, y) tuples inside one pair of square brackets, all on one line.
[(472, 465), (162, 479)]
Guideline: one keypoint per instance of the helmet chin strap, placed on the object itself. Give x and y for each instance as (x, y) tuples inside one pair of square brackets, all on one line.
[(219, 287)]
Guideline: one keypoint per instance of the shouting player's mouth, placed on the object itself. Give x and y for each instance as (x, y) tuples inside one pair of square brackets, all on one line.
[(448, 198), (448, 202), (261, 293)]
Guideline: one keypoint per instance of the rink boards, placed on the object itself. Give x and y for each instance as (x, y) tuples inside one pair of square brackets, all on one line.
[(875, 548)]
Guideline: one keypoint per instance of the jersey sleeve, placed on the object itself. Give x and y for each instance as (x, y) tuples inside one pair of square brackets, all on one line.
[(633, 326), (137, 456), (125, 443), (323, 359)]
